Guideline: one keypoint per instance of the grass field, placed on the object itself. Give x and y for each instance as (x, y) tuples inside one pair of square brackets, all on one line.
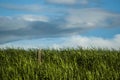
[(64, 64)]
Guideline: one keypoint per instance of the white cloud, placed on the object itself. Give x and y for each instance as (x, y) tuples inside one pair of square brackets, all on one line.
[(84, 2), (74, 2), (36, 26), (63, 1), (10, 23), (89, 42), (69, 42), (19, 22), (91, 18), (34, 18)]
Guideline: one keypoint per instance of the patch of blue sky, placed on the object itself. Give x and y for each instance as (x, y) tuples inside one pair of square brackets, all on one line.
[(103, 32), (111, 5)]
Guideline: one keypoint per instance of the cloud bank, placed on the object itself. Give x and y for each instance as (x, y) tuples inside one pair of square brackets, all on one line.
[(91, 18), (69, 42), (75, 22), (89, 42)]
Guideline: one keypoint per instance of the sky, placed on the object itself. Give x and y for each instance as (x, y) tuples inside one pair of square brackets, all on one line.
[(60, 23)]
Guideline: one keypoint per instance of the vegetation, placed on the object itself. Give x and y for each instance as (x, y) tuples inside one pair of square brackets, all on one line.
[(64, 64)]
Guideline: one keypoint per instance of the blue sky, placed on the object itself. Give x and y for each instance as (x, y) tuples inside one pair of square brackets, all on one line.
[(60, 23)]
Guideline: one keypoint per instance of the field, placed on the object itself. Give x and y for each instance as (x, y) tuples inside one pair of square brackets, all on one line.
[(64, 64)]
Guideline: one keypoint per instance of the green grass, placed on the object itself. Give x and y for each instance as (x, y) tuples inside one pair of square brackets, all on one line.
[(64, 64)]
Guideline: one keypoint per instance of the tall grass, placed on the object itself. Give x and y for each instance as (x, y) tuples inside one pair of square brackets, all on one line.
[(64, 64)]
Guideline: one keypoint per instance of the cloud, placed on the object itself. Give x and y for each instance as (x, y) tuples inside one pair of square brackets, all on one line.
[(33, 7), (76, 21), (74, 2), (62, 1), (19, 22), (36, 8), (21, 27), (89, 42), (83, 2), (91, 18), (69, 42), (10, 23), (34, 18), (28, 27)]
